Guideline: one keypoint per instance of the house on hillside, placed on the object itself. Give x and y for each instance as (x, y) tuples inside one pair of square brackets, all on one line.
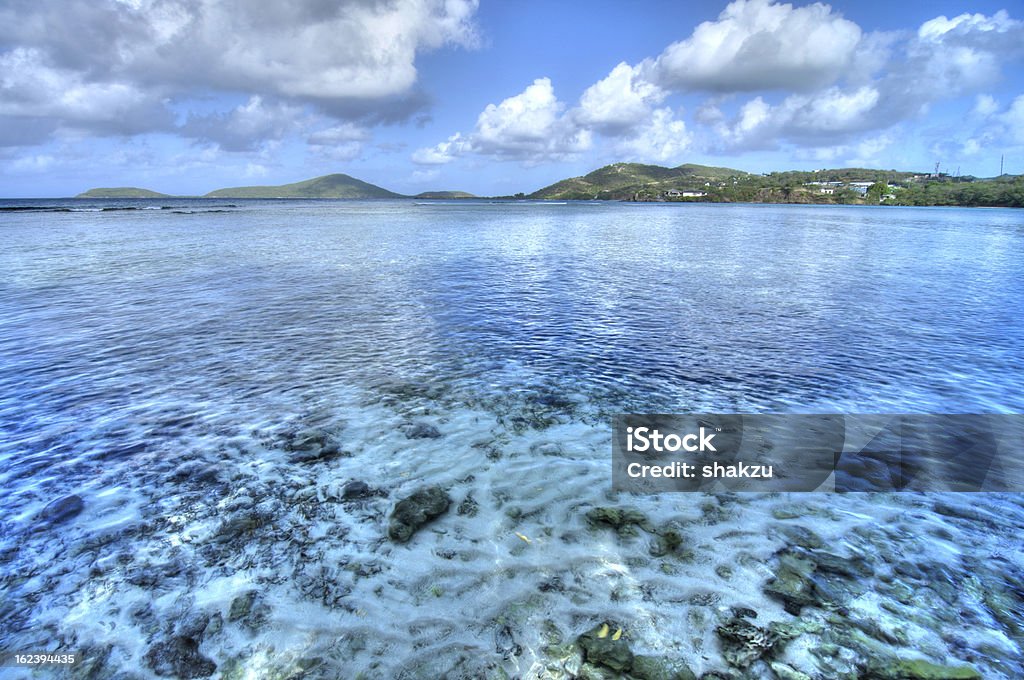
[(694, 194), (673, 193)]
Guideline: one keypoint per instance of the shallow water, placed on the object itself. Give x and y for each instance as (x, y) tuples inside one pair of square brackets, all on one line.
[(160, 363)]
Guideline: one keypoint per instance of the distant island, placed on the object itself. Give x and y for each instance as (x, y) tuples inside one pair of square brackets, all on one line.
[(445, 195), (685, 183), (852, 186), (328, 186), (121, 192)]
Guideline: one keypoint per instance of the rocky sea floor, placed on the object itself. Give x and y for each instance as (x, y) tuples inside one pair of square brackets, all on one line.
[(407, 535)]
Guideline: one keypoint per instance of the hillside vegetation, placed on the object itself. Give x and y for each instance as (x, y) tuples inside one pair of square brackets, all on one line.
[(445, 195), (628, 181), (685, 183), (329, 186), (859, 186), (121, 192)]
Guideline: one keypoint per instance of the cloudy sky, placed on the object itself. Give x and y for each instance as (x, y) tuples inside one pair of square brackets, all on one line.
[(184, 96)]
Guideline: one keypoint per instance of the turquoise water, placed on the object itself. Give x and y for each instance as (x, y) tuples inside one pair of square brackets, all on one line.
[(209, 332)]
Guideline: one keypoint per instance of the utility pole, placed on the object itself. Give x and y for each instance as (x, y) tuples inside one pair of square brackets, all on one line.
[(1001, 164), (936, 169)]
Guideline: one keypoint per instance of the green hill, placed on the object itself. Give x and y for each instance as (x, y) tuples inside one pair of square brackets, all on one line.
[(328, 186), (445, 195), (624, 180), (121, 192)]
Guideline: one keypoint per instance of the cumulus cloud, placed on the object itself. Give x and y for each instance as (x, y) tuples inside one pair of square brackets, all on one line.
[(342, 142), (247, 127), (759, 45), (661, 138), (531, 126), (995, 126), (1013, 119), (114, 64), (444, 152), (33, 88), (984, 105), (821, 118), (867, 152), (944, 58), (948, 58), (619, 102)]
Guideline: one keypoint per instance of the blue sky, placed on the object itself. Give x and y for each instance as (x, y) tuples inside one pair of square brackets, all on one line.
[(184, 96)]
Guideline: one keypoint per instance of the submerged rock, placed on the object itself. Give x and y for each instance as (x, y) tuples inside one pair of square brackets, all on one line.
[(62, 509), (667, 542), (603, 647), (743, 643), (414, 511), (505, 643), (917, 669), (468, 507), (793, 583), (421, 431), (814, 578), (241, 606), (660, 668), (623, 520), (787, 672), (194, 625), (241, 525), (356, 490), (179, 657), (802, 536), (311, 445)]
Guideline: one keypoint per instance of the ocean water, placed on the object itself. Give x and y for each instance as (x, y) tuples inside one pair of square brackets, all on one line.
[(178, 364)]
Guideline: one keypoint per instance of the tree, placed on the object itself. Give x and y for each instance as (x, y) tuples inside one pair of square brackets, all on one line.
[(876, 191)]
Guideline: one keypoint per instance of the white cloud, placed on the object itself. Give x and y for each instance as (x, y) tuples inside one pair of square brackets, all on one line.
[(759, 45), (342, 142), (661, 139), (338, 134), (989, 128), (113, 66), (304, 48), (531, 126), (445, 152), (33, 163), (31, 88), (867, 152), (255, 170), (971, 147), (984, 106), (753, 115), (968, 25), (819, 119), (534, 125), (248, 126), (949, 57), (854, 84), (619, 102), (422, 176), (831, 111), (1013, 120)]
